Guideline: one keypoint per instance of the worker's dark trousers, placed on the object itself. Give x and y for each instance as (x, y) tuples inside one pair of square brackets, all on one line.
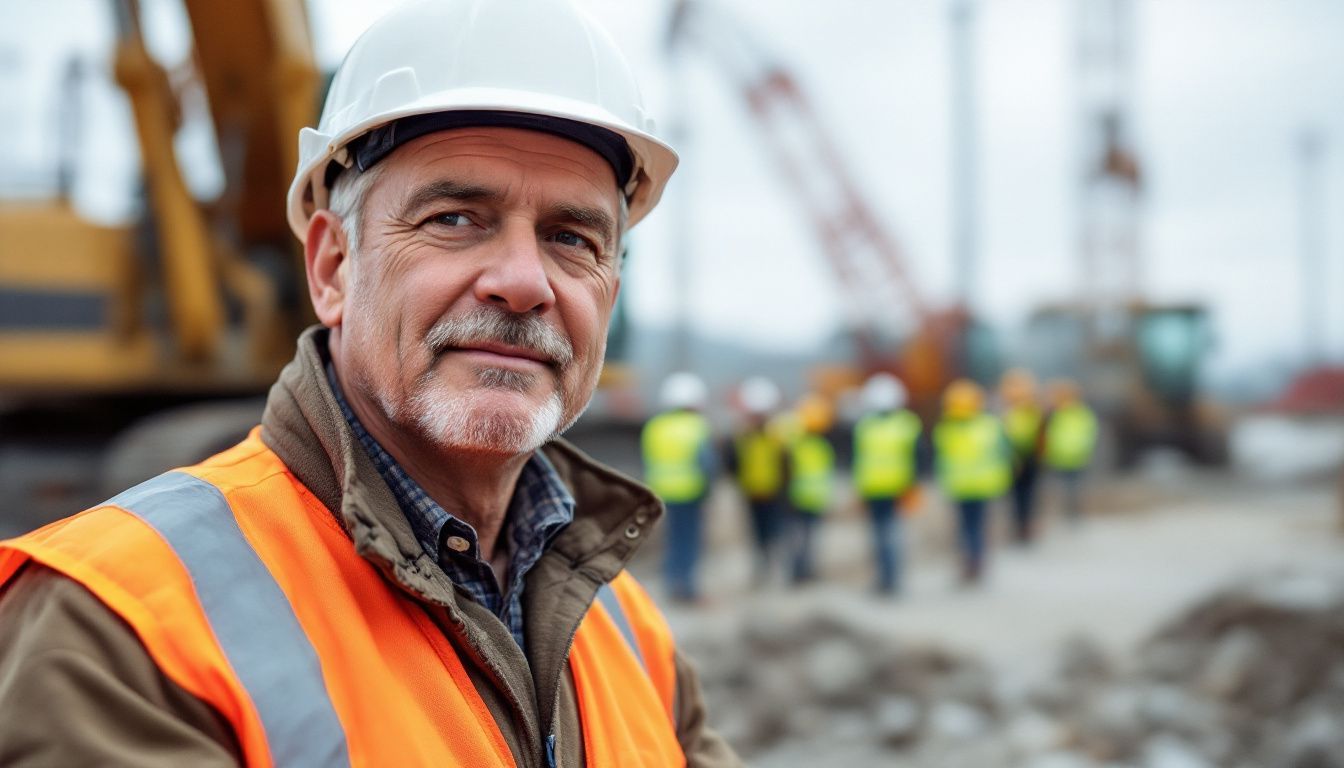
[(683, 548), (1024, 502), (886, 543), (766, 525), (972, 518)]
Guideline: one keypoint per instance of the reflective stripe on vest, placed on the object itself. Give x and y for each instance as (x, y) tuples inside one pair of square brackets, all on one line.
[(671, 443), (370, 677), (259, 635), (612, 604), (884, 454)]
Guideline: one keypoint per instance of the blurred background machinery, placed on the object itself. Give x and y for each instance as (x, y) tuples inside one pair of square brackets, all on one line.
[(195, 304), (893, 325), (1139, 361)]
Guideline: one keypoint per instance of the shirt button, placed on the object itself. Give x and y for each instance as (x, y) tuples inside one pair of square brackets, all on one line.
[(457, 543)]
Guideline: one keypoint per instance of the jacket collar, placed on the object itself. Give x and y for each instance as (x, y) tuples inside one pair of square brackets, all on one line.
[(304, 426)]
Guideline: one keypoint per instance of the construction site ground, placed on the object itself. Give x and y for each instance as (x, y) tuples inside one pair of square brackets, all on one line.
[(1152, 547), (1149, 546)]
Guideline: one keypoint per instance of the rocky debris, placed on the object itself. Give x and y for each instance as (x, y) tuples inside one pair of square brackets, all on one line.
[(1251, 677)]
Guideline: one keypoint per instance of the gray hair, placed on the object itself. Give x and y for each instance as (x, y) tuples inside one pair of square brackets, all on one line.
[(348, 194)]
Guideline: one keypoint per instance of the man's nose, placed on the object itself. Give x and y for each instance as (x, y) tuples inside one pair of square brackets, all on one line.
[(515, 276)]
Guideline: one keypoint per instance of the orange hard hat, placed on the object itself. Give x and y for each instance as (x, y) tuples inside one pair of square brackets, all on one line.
[(815, 413), (963, 398), (1018, 385)]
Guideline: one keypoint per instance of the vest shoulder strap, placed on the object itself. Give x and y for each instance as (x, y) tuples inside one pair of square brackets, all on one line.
[(168, 556)]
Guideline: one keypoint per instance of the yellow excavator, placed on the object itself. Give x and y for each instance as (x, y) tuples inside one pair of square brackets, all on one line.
[(199, 299)]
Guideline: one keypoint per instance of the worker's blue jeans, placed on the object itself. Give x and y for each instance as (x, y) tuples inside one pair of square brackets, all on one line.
[(683, 548), (805, 526), (972, 518), (1073, 492), (885, 514)]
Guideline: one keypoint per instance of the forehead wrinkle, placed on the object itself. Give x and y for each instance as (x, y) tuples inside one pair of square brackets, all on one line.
[(490, 164), (445, 189)]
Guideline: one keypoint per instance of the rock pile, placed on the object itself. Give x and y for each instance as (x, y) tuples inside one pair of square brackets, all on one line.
[(1253, 677)]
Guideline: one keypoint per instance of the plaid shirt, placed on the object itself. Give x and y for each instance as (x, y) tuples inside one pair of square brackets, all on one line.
[(541, 507)]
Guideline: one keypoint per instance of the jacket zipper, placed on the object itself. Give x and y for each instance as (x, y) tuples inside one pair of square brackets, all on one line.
[(458, 628), (555, 704)]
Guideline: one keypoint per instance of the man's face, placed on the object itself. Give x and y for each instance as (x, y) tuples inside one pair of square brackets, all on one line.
[(476, 310)]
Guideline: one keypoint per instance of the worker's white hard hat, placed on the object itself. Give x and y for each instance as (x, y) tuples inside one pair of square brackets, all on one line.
[(683, 390), (883, 392), (540, 64), (759, 395)]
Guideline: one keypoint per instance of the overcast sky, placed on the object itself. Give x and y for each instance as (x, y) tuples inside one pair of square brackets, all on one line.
[(1224, 87)]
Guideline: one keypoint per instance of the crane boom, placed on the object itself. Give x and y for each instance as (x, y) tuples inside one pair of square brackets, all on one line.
[(864, 255)]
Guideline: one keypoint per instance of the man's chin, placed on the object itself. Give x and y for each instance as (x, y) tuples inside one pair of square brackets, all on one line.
[(495, 421)]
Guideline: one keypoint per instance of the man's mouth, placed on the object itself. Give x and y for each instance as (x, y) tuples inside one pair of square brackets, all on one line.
[(505, 352)]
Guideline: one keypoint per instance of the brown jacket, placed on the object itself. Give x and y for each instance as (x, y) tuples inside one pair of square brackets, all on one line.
[(78, 688)]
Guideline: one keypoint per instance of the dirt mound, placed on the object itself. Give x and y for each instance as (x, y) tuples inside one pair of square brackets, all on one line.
[(1253, 676)]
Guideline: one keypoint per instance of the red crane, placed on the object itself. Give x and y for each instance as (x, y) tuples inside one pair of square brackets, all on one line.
[(881, 295)]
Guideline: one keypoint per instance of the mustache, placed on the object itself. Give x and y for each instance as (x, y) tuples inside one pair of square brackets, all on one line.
[(489, 325)]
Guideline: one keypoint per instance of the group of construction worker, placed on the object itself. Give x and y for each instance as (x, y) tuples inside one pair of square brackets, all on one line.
[(783, 461)]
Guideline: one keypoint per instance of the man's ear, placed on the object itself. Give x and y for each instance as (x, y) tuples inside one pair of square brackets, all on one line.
[(325, 256)]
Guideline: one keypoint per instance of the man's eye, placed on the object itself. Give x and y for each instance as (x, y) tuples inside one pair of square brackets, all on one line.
[(451, 220), (572, 240)]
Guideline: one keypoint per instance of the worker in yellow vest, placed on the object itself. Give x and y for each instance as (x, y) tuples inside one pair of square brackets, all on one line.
[(973, 467), (811, 479), (1023, 422), (757, 461), (678, 465), (1070, 439), (885, 441)]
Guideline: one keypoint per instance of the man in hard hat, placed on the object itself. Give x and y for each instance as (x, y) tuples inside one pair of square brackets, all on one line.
[(973, 468), (811, 479), (885, 441), (1023, 420), (678, 466), (757, 461), (1070, 440), (400, 566)]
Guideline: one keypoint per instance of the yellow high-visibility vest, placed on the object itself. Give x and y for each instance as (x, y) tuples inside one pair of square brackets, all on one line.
[(884, 454), (972, 458), (811, 473), (1070, 437), (1022, 423), (672, 443), (760, 465)]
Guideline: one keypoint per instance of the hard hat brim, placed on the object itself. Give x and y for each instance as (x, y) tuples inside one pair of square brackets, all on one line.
[(654, 160)]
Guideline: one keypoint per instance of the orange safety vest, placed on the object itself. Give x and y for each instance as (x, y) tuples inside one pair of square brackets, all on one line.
[(247, 593)]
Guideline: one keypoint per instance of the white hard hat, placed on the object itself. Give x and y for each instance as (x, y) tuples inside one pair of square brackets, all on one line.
[(683, 390), (540, 64), (883, 392), (759, 395)]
